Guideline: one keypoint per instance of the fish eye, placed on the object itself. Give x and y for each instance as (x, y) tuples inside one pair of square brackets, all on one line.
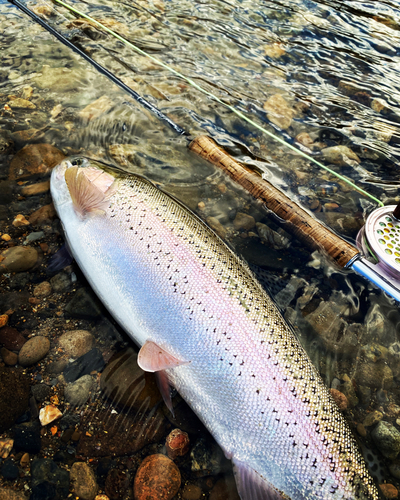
[(77, 162)]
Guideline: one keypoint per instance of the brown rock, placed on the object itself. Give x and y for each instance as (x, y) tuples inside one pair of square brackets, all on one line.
[(42, 290), (21, 103), (9, 358), (96, 108), (24, 462), (244, 222), (34, 159), (340, 399), (11, 338), (6, 494), (3, 320), (38, 188), (118, 435), (304, 138), (34, 350), (216, 226), (6, 445), (372, 418), (278, 111), (43, 214), (376, 375), (177, 444), (83, 481), (388, 490), (157, 478), (20, 221), (18, 259), (76, 342), (192, 492), (126, 384)]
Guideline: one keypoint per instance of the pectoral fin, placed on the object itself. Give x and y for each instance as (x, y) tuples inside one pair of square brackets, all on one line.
[(251, 486), (153, 358)]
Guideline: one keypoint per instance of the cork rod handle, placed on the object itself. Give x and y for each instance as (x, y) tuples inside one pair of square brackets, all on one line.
[(298, 222)]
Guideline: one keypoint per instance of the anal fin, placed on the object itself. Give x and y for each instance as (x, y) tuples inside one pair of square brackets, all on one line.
[(251, 486)]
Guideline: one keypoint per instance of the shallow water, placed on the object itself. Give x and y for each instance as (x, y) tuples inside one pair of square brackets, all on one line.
[(335, 69)]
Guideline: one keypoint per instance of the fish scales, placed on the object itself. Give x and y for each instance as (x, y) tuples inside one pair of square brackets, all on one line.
[(165, 276)]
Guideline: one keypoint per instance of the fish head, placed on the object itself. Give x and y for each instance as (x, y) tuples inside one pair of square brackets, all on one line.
[(82, 184)]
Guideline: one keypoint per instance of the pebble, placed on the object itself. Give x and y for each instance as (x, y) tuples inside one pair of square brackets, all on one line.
[(5, 237), (157, 478), (6, 494), (49, 414), (3, 320), (387, 439), (92, 360), (42, 215), (42, 290), (377, 375), (48, 477), (77, 393), (83, 481), (61, 282), (117, 484), (126, 383), (76, 343), (21, 103), (35, 236), (243, 222), (216, 226), (20, 221), (57, 367), (361, 430), (35, 189), (18, 259), (27, 437), (340, 155), (9, 357), (374, 352), (177, 444), (330, 206), (34, 350), (84, 305), (14, 396), (372, 418), (6, 445), (9, 470), (96, 108), (304, 138), (389, 490), (278, 111), (34, 159), (274, 50), (207, 458), (340, 399), (25, 459)]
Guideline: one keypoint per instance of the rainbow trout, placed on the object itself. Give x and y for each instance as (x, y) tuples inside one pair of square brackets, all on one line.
[(202, 318)]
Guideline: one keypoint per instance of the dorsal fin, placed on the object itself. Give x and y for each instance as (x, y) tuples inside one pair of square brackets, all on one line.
[(153, 358), (86, 196)]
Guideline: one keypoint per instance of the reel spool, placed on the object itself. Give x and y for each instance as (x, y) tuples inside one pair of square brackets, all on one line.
[(379, 241)]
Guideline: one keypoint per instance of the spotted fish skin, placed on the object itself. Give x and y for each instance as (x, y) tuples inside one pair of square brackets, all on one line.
[(166, 277)]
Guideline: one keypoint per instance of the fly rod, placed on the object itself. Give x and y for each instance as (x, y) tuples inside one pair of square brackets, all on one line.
[(297, 221)]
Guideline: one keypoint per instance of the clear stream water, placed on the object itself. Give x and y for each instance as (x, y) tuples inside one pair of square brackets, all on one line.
[(317, 74)]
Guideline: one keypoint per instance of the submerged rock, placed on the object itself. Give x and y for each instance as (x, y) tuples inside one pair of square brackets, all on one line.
[(34, 350), (387, 439), (77, 393), (18, 259), (34, 159), (278, 111), (340, 155), (76, 342), (83, 481), (157, 478), (14, 396)]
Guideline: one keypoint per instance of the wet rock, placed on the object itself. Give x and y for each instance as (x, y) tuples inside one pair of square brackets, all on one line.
[(157, 478), (192, 492), (83, 481), (34, 350), (84, 305), (389, 490), (374, 352), (126, 384), (42, 215), (34, 159), (216, 226), (6, 494), (27, 438), (117, 484), (92, 360), (17, 259), (34, 189), (20, 221), (340, 399), (76, 342), (42, 290), (271, 237), (207, 458), (177, 444), (18, 102), (35, 236), (49, 414), (44, 471), (41, 392), (243, 222), (304, 138), (387, 439), (9, 470), (3, 320), (224, 489), (61, 80), (9, 357), (61, 282), (120, 434), (57, 367), (372, 418), (278, 111), (6, 446), (96, 108), (14, 396), (340, 155), (77, 393), (347, 388), (376, 375)]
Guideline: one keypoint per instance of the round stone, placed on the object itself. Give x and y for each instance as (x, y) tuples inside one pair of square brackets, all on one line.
[(34, 350), (76, 343), (18, 259), (83, 481), (157, 478)]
